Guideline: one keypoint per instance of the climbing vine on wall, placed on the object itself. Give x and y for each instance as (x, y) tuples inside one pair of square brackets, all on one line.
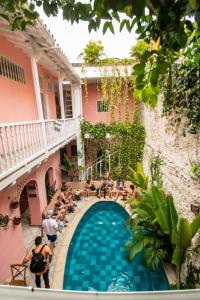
[(114, 85), (126, 139), (182, 88)]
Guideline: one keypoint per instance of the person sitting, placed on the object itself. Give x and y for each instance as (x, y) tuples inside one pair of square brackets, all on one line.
[(104, 187), (60, 210), (77, 195), (125, 193), (98, 188), (110, 184), (87, 188), (120, 184)]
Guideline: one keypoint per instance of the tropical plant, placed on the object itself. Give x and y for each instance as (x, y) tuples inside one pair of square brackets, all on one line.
[(152, 227), (166, 27), (92, 52), (67, 164), (156, 226), (139, 49), (182, 239), (138, 177)]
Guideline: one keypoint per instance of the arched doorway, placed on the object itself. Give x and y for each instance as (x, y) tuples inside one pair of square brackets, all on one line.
[(24, 207), (49, 184), (29, 204)]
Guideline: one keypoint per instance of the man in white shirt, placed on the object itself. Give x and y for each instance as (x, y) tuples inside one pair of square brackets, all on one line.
[(50, 227)]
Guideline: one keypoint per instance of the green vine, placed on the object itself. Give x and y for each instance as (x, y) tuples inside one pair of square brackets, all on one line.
[(156, 176), (127, 140), (114, 85), (182, 88)]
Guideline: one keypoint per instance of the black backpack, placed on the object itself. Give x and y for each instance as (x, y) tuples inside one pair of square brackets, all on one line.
[(38, 261)]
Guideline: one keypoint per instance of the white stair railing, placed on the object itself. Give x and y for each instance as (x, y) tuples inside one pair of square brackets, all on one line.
[(98, 166)]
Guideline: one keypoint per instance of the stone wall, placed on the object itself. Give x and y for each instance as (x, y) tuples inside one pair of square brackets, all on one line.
[(176, 152)]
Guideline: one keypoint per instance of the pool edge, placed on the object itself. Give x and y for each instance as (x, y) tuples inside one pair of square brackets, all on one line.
[(58, 274)]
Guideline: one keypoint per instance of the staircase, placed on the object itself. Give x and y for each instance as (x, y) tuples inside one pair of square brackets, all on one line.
[(103, 165)]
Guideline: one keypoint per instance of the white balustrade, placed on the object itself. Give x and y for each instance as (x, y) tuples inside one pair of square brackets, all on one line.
[(22, 142)]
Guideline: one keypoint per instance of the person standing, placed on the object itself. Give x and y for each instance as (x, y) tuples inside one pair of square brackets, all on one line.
[(50, 227), (40, 258)]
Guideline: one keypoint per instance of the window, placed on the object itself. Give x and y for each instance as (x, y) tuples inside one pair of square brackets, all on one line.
[(102, 106), (11, 70), (73, 150), (68, 103)]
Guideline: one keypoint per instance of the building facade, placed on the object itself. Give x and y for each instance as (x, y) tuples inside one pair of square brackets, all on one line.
[(38, 118)]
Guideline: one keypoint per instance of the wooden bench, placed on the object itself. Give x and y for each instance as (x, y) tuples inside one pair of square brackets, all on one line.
[(80, 185), (52, 202)]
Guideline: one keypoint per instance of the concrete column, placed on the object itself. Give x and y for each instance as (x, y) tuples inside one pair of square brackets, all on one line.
[(77, 113), (38, 100), (61, 99)]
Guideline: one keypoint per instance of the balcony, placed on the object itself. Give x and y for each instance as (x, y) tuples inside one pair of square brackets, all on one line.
[(24, 145)]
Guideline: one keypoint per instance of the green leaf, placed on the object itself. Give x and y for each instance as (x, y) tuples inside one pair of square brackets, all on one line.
[(139, 6), (195, 225), (154, 76), (173, 216), (193, 4), (139, 69), (161, 211), (107, 25), (123, 23), (115, 16), (153, 100)]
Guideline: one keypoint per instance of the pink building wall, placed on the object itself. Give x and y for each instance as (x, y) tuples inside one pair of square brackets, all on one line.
[(17, 100), (21, 97), (90, 109), (12, 239)]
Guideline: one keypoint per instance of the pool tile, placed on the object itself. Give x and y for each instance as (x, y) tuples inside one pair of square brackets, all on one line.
[(96, 257)]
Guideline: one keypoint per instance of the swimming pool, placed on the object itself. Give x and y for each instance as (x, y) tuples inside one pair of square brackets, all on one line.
[(96, 258)]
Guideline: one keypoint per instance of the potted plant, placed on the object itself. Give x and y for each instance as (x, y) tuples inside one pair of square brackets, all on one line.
[(14, 203), (16, 220), (4, 220)]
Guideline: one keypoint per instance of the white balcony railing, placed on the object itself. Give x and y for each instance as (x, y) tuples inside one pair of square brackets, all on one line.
[(22, 142)]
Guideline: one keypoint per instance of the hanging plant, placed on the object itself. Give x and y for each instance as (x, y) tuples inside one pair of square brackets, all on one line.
[(16, 220), (4, 220), (14, 204)]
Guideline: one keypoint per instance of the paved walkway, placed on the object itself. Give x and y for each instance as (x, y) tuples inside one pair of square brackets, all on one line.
[(30, 232)]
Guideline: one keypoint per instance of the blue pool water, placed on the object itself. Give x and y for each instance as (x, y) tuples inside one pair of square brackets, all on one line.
[(96, 259)]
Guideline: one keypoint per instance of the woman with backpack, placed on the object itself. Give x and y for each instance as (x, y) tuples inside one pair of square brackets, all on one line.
[(40, 258)]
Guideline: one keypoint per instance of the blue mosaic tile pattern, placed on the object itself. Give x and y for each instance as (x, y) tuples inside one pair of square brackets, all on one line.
[(96, 258)]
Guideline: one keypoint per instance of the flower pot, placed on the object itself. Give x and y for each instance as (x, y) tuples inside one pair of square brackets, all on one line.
[(4, 220), (16, 220), (14, 204)]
